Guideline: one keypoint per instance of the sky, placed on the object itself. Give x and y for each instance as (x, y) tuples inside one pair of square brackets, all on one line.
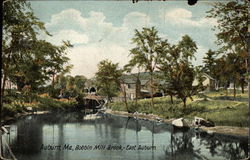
[(103, 29)]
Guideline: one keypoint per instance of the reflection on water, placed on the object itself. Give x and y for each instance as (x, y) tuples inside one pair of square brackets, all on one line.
[(39, 137)]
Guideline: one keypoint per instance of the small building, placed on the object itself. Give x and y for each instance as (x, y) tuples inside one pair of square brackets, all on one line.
[(9, 85), (130, 86), (208, 82), (141, 84)]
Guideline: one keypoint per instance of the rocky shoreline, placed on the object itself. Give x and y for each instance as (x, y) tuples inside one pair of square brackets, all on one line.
[(229, 131)]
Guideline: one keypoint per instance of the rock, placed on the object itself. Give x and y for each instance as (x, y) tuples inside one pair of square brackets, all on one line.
[(29, 109), (158, 119), (180, 123), (210, 132), (91, 117), (202, 122)]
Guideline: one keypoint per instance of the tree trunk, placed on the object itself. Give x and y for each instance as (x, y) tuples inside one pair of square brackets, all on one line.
[(3, 85), (234, 90), (191, 98), (125, 97), (184, 103), (53, 80), (136, 93), (137, 89), (242, 87), (249, 93), (2, 93), (151, 84), (171, 98)]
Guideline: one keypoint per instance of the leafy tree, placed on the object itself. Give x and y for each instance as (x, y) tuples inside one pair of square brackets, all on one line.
[(108, 78), (236, 69), (176, 66), (210, 64), (80, 83), (232, 18), (128, 68), (145, 54), (221, 70), (26, 59), (209, 61), (20, 28), (69, 86), (36, 67), (123, 89)]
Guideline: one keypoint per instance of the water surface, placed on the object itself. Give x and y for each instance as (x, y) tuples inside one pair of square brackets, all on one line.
[(69, 136)]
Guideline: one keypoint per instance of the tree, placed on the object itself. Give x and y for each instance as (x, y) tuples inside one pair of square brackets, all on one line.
[(107, 78), (210, 65), (80, 83), (209, 61), (69, 86), (232, 18), (123, 89), (176, 66), (28, 61), (145, 54), (128, 68), (38, 65), (20, 28), (236, 69)]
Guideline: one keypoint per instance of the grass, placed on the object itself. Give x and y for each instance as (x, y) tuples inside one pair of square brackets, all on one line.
[(18, 104), (218, 107)]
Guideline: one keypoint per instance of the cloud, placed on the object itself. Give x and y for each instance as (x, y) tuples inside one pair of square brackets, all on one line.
[(201, 51), (85, 58), (136, 20), (66, 19), (71, 35), (182, 16)]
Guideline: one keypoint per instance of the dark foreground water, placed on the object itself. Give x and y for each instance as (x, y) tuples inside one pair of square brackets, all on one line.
[(71, 137)]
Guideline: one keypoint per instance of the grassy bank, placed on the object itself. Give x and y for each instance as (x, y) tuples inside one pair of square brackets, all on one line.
[(219, 107), (18, 103)]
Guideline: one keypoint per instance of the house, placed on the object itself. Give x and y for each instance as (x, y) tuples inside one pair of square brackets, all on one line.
[(208, 82), (130, 85), (140, 83), (9, 85)]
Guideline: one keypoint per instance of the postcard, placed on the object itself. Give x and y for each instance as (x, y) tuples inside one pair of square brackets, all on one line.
[(122, 80)]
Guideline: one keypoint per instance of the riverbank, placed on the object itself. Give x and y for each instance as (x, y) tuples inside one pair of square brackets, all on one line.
[(219, 107), (17, 107), (231, 131)]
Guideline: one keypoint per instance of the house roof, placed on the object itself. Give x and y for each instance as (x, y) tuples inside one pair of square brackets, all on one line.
[(143, 76), (93, 97), (208, 76)]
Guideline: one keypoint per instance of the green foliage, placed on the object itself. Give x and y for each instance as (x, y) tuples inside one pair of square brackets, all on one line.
[(108, 78), (232, 18), (146, 53), (47, 103), (68, 86), (232, 28), (214, 107), (18, 105), (27, 60), (210, 63), (178, 72)]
